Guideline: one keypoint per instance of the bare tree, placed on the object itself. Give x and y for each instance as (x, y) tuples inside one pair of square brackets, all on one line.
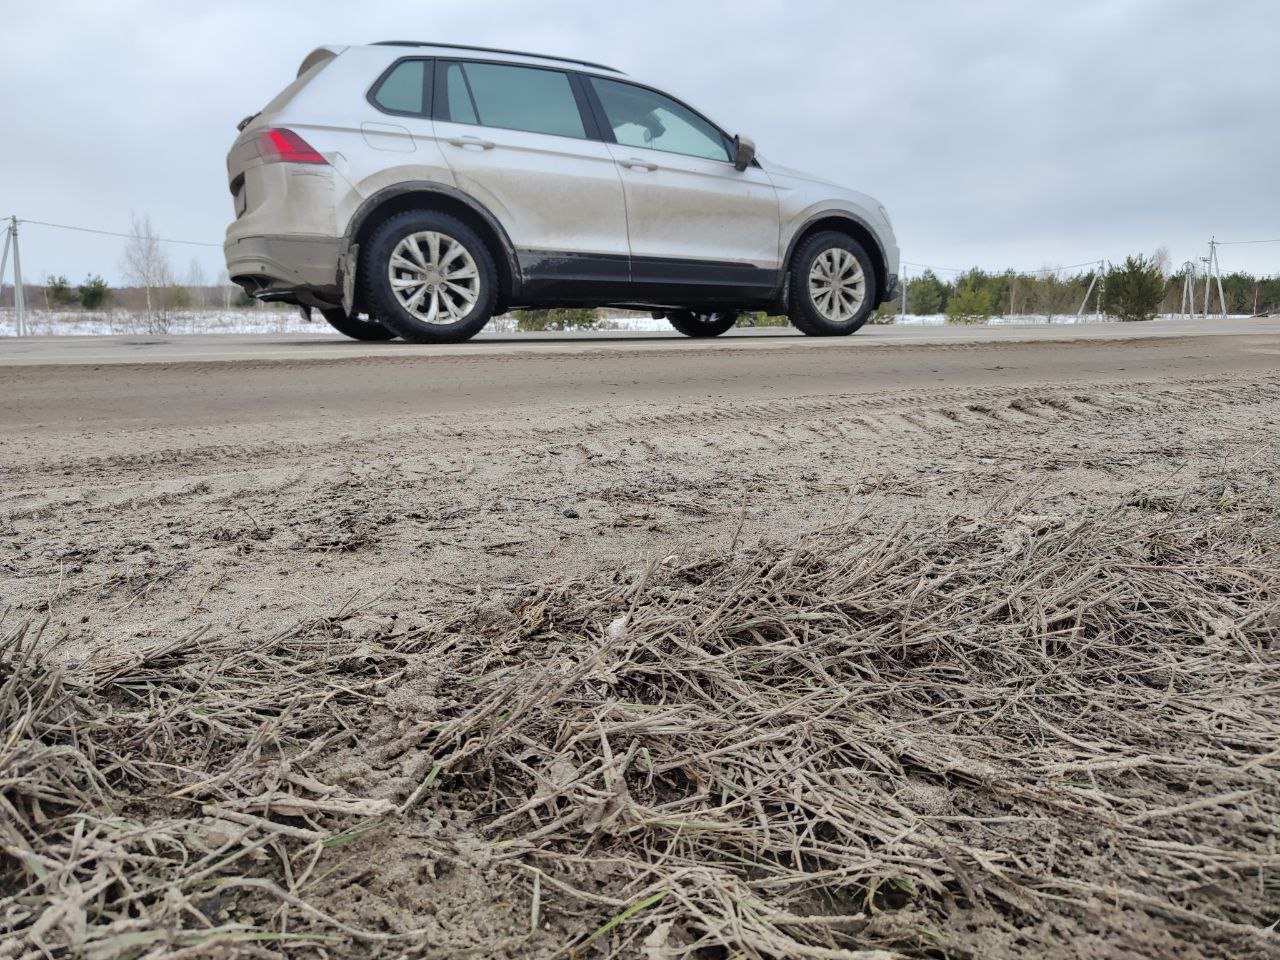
[(197, 284), (229, 290), (145, 265), (1163, 260)]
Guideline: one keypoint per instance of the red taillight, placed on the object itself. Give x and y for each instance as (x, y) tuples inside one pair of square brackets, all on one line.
[(279, 145)]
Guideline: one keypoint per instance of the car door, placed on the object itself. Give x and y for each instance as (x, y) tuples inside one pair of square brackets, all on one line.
[(395, 141), (696, 225), (523, 142)]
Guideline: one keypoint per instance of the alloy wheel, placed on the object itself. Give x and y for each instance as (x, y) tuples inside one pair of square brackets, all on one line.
[(837, 285), (433, 277)]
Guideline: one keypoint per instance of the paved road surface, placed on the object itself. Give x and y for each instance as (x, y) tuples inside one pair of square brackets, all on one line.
[(89, 386), (175, 349)]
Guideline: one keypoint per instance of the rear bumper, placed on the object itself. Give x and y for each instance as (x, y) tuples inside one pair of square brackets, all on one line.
[(284, 262)]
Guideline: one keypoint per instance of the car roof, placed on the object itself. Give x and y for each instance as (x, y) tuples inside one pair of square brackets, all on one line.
[(524, 55)]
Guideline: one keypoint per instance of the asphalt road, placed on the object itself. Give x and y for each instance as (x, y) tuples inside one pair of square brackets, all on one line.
[(87, 386), (182, 349)]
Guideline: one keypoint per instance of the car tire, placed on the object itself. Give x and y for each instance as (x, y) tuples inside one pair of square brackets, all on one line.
[(834, 262), (703, 324), (429, 277), (355, 327)]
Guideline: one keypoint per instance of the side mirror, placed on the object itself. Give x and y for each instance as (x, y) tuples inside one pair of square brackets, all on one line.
[(744, 152)]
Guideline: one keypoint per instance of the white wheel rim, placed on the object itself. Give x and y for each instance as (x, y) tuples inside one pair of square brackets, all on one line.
[(434, 277), (837, 285)]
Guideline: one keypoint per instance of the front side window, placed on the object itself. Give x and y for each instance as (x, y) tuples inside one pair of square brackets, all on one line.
[(513, 98), (645, 118), (404, 89)]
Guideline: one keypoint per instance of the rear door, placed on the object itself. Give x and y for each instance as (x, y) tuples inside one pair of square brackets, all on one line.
[(696, 224), (522, 141)]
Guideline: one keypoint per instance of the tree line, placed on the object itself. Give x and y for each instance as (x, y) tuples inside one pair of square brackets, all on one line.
[(94, 293), (1140, 288)]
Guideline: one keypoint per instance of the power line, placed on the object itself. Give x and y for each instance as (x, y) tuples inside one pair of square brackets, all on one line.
[(1043, 270), (929, 266), (112, 233), (1073, 266), (1233, 243)]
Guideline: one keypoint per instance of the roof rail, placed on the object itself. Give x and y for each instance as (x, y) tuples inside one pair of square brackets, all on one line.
[(516, 53)]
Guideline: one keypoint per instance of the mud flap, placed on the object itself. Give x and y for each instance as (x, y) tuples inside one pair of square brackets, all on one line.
[(305, 311), (347, 267)]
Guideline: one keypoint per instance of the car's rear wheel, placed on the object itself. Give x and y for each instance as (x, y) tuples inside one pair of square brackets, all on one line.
[(703, 324), (357, 327), (833, 285), (429, 277)]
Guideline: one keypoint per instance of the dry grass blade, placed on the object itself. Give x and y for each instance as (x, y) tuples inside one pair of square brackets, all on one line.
[(979, 738), (908, 729)]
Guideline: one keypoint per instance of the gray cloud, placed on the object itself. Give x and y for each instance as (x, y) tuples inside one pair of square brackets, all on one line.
[(997, 133)]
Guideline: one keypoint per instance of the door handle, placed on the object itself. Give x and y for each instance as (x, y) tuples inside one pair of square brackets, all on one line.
[(634, 164), (471, 142)]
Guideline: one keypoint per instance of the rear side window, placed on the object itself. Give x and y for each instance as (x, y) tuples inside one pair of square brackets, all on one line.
[(645, 118), (458, 97), (405, 88), (514, 98)]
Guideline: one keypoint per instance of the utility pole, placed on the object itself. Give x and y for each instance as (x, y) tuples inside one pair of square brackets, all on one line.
[(4, 260), (1208, 279), (1093, 282), (902, 316), (1105, 269), (1212, 274), (19, 296), (1187, 310), (1217, 272)]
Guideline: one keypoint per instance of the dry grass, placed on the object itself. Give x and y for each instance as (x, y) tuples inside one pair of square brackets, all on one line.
[(1006, 735)]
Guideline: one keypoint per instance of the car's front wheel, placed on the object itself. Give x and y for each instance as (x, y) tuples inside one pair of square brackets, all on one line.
[(429, 277), (833, 285), (357, 327), (703, 324)]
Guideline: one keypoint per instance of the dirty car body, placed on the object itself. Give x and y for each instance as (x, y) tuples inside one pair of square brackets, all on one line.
[(583, 186)]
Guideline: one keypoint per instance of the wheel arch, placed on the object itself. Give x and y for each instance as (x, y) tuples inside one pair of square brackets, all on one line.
[(843, 221), (426, 195)]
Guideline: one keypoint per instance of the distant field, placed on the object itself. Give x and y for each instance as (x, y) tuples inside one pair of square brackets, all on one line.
[(231, 320), (250, 320)]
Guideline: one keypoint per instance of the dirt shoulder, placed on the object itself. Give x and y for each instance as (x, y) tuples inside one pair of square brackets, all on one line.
[(145, 500), (446, 527)]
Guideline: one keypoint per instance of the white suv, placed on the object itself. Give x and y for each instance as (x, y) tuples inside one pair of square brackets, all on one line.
[(415, 190)]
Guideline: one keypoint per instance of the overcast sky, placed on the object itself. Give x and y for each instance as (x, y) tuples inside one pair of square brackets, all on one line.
[(998, 133)]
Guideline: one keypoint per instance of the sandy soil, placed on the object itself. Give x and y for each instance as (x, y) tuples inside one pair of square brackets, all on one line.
[(140, 502), (142, 499)]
